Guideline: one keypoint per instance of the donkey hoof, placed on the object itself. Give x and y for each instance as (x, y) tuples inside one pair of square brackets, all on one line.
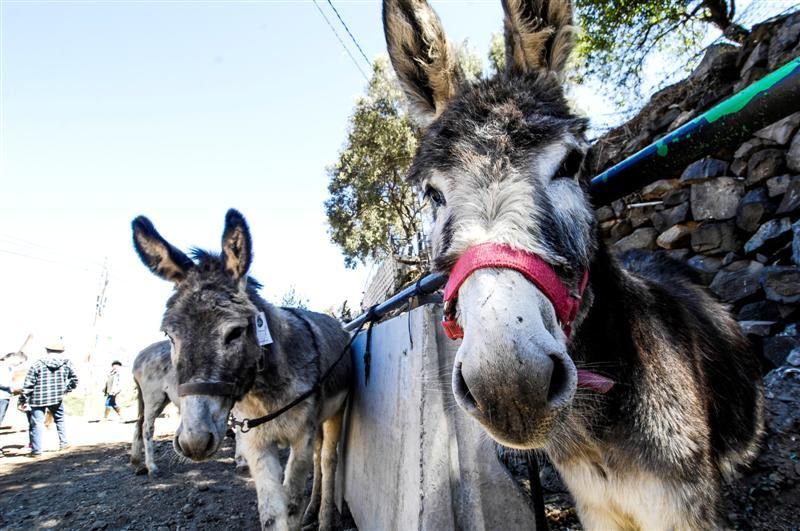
[(140, 470), (242, 470), (153, 473)]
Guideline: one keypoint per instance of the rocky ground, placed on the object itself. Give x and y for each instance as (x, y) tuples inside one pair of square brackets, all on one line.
[(91, 487)]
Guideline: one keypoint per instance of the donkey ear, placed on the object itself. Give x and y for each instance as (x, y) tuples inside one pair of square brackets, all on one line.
[(539, 34), (421, 56), (157, 254), (237, 246)]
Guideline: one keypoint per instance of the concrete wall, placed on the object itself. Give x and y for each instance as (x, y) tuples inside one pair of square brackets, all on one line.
[(411, 458)]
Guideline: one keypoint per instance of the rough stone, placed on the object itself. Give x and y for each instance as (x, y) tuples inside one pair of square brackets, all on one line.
[(604, 213), (793, 154), (756, 328), (781, 284), (675, 197), (793, 358), (769, 236), (777, 348), (777, 185), (782, 42), (729, 258), (682, 119), (620, 229), (791, 199), (781, 131), (738, 281), (640, 215), (665, 119), (796, 242), (666, 218), (716, 199), (763, 310), (619, 207), (757, 57), (714, 238), (753, 208), (763, 165), (675, 236), (748, 148), (644, 238), (739, 167), (705, 267), (681, 255), (657, 190), (703, 169)]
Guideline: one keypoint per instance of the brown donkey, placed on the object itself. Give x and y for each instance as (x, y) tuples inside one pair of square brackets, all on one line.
[(226, 360), (636, 383)]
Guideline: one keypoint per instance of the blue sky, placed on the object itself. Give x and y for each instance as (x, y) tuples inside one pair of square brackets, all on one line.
[(177, 110)]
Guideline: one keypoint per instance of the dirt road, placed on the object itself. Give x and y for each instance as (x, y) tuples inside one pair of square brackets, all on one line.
[(91, 487)]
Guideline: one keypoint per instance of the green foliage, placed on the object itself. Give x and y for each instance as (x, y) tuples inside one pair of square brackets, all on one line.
[(618, 36), (497, 54), (372, 211), (292, 299)]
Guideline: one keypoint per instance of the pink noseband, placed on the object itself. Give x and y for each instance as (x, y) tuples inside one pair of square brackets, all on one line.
[(537, 271)]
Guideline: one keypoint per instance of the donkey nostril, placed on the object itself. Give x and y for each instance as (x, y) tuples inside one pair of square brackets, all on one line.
[(209, 444), (558, 380), (461, 389)]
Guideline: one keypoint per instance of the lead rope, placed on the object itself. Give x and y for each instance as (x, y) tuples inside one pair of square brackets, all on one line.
[(536, 492), (248, 424)]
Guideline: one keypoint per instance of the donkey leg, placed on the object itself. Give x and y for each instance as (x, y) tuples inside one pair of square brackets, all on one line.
[(265, 468), (294, 481), (331, 429), (238, 458), (152, 409), (137, 448), (312, 511)]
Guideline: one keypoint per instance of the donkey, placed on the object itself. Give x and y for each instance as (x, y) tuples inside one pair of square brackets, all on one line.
[(635, 382), (224, 362), (157, 386)]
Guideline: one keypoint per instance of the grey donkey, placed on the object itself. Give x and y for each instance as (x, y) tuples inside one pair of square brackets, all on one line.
[(157, 386), (212, 320), (646, 396)]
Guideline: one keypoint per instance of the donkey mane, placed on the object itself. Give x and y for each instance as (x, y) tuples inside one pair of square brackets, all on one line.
[(210, 262)]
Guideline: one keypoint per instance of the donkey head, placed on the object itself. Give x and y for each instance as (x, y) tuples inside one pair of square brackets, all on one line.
[(209, 321), (499, 162)]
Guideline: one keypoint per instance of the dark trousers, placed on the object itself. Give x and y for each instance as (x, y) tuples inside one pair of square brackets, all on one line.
[(37, 428), (3, 408)]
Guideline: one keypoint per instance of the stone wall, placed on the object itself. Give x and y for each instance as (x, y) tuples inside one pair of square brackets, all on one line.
[(731, 217)]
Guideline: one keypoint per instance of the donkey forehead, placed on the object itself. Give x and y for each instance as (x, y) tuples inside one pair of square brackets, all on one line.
[(206, 304), (498, 121)]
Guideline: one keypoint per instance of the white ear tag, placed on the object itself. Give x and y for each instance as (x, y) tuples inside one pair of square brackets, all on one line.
[(262, 330)]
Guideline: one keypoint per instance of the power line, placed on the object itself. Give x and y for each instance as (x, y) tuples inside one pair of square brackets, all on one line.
[(341, 41), (349, 33)]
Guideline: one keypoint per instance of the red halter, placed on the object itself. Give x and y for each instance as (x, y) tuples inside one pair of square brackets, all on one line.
[(537, 271)]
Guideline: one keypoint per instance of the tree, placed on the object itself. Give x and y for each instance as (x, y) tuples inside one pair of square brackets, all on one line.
[(292, 299), (372, 211), (618, 36)]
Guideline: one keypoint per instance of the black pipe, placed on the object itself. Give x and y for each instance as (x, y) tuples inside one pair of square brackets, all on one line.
[(725, 125)]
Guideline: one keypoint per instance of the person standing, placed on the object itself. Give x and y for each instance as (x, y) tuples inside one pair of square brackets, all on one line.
[(6, 385), (47, 381), (112, 389)]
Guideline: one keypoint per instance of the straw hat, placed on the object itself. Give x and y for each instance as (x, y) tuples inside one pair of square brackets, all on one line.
[(55, 345)]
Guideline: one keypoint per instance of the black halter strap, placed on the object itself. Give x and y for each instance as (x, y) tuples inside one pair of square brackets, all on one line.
[(246, 425)]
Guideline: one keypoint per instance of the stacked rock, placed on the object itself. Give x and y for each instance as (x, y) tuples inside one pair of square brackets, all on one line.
[(734, 217)]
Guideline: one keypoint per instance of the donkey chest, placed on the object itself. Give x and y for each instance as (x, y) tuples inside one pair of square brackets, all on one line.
[(614, 499)]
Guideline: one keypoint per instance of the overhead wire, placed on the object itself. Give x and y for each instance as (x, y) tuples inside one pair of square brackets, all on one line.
[(350, 33), (336, 33)]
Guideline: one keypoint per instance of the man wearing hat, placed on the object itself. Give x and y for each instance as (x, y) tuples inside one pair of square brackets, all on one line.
[(46, 383)]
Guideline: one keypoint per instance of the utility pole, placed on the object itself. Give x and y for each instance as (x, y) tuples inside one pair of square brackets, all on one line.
[(100, 307)]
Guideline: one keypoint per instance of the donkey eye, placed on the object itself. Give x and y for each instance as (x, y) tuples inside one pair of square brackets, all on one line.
[(571, 164), (234, 334), (435, 196)]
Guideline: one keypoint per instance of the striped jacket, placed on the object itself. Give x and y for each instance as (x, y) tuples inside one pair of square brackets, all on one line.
[(47, 381)]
